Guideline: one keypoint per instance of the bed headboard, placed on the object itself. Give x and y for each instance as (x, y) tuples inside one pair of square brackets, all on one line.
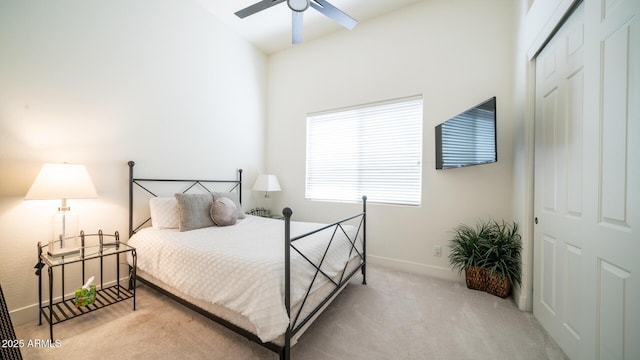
[(185, 186)]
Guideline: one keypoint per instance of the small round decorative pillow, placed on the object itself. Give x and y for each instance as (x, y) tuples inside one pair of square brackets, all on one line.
[(224, 212)]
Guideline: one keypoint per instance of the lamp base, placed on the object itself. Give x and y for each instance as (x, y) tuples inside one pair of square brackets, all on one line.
[(63, 252), (65, 229)]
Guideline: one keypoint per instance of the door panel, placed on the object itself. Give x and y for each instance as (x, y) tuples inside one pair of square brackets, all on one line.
[(549, 275), (615, 246), (575, 83), (572, 316), (614, 282), (558, 252), (614, 140), (587, 182)]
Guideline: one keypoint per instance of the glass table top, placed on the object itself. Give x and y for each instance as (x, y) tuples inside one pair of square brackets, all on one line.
[(86, 253)]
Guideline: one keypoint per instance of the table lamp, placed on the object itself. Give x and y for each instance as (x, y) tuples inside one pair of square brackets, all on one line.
[(62, 181), (266, 183)]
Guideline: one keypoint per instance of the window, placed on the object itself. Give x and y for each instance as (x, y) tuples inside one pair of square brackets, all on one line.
[(373, 150)]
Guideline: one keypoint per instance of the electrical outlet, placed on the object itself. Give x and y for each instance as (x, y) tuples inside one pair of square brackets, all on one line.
[(437, 251)]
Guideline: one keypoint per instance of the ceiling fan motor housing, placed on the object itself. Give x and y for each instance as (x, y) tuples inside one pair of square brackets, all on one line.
[(298, 5)]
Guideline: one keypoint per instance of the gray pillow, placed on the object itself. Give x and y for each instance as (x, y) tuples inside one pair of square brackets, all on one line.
[(233, 197), (224, 212), (194, 211)]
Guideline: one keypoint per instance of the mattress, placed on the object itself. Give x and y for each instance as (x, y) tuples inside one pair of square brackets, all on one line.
[(240, 268)]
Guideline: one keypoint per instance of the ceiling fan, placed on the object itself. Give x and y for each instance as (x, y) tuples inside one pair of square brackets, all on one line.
[(298, 7)]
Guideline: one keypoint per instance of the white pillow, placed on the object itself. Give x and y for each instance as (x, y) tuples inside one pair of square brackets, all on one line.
[(164, 212)]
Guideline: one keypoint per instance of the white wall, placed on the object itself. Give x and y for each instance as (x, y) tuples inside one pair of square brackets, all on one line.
[(456, 54), (160, 82)]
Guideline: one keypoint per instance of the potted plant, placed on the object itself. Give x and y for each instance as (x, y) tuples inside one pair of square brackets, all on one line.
[(468, 246), (501, 258)]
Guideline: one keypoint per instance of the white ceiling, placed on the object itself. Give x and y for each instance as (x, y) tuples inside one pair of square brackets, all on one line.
[(270, 29)]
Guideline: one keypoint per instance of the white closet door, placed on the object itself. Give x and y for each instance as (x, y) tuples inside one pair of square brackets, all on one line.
[(559, 187), (587, 182)]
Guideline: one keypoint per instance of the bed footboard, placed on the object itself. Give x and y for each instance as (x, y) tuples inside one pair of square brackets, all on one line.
[(296, 323)]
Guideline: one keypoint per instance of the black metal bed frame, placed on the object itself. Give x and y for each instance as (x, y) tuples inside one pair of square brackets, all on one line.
[(297, 324)]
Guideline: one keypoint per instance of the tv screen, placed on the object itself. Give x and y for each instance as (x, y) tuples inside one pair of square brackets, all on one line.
[(468, 138)]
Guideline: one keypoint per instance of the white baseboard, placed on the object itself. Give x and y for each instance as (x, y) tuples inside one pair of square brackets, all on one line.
[(523, 302), (24, 315), (416, 268)]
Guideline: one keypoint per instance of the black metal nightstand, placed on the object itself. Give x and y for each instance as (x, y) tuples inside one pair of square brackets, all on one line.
[(65, 308)]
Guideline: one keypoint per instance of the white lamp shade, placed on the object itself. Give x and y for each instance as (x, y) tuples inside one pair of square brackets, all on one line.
[(266, 183), (62, 181)]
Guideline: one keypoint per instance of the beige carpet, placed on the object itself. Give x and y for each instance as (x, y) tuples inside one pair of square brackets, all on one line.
[(395, 316)]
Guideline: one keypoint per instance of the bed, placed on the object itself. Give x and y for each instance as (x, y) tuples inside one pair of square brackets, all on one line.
[(266, 279)]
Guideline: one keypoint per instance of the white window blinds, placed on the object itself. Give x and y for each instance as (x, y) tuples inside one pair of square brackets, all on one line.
[(373, 150)]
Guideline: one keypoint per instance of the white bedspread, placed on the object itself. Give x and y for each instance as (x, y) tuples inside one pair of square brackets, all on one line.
[(242, 266)]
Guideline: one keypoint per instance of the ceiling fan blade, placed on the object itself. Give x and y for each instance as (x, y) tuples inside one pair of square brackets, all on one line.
[(296, 27), (334, 13), (257, 7)]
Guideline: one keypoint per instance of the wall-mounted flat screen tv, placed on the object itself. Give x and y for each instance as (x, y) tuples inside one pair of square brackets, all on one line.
[(468, 138)]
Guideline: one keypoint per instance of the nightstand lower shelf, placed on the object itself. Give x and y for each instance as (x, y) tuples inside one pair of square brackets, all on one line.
[(67, 310)]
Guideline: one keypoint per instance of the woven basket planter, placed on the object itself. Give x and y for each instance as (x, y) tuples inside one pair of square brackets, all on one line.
[(498, 285), (476, 278)]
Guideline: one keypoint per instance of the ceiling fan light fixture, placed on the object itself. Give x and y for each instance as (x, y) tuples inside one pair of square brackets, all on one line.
[(298, 5)]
